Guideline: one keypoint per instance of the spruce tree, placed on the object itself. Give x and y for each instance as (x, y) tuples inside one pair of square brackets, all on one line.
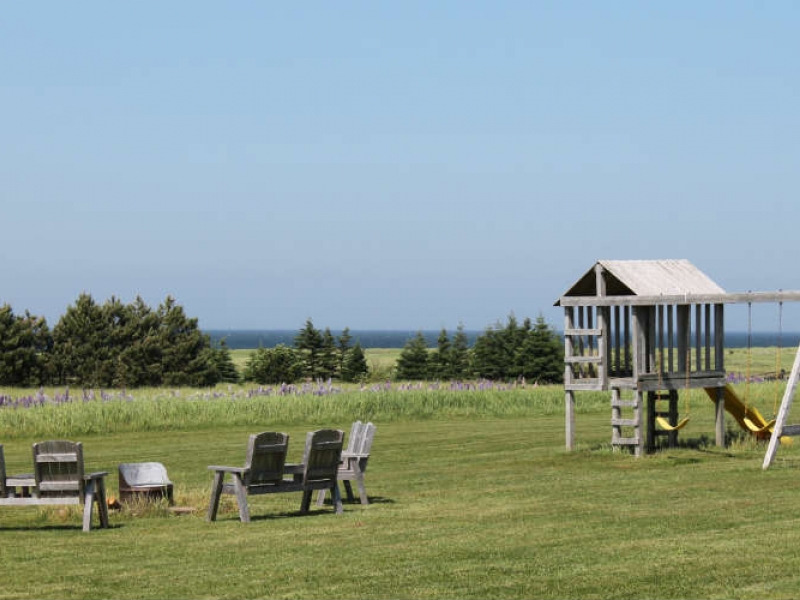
[(80, 341), (459, 354), (412, 365), (187, 358), (355, 366), (440, 359), (25, 344), (489, 356), (308, 342), (542, 354), (344, 347), (328, 356), (140, 361), (226, 370)]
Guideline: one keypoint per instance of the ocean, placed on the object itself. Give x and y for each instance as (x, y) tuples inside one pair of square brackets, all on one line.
[(380, 338)]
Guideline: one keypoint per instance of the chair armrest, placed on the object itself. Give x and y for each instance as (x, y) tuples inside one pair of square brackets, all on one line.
[(97, 475), (293, 468), (355, 455), (238, 470)]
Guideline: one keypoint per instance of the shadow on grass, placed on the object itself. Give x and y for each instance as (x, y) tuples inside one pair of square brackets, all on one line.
[(64, 527)]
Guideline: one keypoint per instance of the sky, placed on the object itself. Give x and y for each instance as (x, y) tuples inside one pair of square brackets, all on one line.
[(392, 165)]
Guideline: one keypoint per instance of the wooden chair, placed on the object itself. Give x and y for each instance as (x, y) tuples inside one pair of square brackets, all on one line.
[(354, 462), (58, 479), (9, 485), (265, 470)]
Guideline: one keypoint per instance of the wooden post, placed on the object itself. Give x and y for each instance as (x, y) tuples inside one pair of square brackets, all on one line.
[(569, 395), (719, 365), (783, 412)]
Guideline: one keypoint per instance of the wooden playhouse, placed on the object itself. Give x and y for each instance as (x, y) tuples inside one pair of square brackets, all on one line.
[(644, 330)]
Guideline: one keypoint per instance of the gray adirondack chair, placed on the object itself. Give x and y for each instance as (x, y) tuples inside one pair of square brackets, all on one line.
[(9, 485), (354, 462), (58, 478), (265, 470)]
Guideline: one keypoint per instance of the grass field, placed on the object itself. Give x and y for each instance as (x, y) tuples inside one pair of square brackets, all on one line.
[(473, 496)]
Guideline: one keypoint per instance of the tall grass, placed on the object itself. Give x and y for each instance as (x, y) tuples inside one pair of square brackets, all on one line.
[(161, 409)]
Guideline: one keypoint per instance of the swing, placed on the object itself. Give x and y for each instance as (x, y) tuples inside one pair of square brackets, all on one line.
[(662, 422), (666, 426)]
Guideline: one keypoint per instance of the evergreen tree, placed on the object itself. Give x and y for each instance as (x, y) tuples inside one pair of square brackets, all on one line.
[(355, 366), (440, 360), (277, 365), (187, 358), (412, 365), (489, 355), (459, 354), (25, 344), (226, 370), (344, 347), (328, 356), (80, 344), (309, 344), (542, 354), (139, 361)]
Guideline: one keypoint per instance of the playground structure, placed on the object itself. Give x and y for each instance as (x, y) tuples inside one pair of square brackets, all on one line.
[(645, 329)]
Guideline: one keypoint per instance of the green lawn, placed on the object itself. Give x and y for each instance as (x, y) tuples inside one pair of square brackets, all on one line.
[(473, 497)]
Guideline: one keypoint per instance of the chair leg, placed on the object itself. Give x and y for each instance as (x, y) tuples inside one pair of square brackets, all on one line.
[(349, 490), (102, 505), (362, 491), (336, 498), (306, 502), (241, 498), (88, 500), (216, 492)]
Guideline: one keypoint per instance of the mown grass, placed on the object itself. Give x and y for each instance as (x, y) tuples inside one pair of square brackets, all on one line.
[(473, 496), (462, 508)]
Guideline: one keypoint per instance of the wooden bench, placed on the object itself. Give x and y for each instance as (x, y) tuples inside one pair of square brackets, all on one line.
[(265, 470), (58, 479)]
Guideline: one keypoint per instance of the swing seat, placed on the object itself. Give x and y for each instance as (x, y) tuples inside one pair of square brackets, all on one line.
[(667, 426), (757, 429)]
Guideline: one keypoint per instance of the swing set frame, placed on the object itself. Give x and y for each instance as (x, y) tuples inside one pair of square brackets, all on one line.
[(643, 330)]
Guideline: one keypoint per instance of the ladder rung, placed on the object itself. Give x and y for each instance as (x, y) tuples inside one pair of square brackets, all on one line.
[(624, 422), (634, 441), (625, 403), (576, 331), (583, 359)]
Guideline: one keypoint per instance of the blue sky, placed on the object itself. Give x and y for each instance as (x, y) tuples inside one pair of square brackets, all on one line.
[(392, 165)]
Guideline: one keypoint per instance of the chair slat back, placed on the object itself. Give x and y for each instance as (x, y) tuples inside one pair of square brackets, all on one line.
[(361, 438), (322, 455), (266, 456), (58, 468), (355, 437)]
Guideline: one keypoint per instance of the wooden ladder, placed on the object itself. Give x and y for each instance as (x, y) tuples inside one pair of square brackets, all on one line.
[(620, 426)]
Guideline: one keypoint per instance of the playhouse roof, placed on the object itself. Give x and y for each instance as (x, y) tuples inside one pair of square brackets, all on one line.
[(646, 278)]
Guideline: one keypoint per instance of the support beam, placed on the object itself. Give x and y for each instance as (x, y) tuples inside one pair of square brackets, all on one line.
[(783, 412)]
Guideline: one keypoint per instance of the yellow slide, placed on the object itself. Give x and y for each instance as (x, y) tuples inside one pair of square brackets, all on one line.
[(748, 417)]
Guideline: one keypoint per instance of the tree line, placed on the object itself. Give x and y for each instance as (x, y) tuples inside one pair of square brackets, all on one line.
[(132, 345), (315, 355), (531, 350), (111, 345)]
